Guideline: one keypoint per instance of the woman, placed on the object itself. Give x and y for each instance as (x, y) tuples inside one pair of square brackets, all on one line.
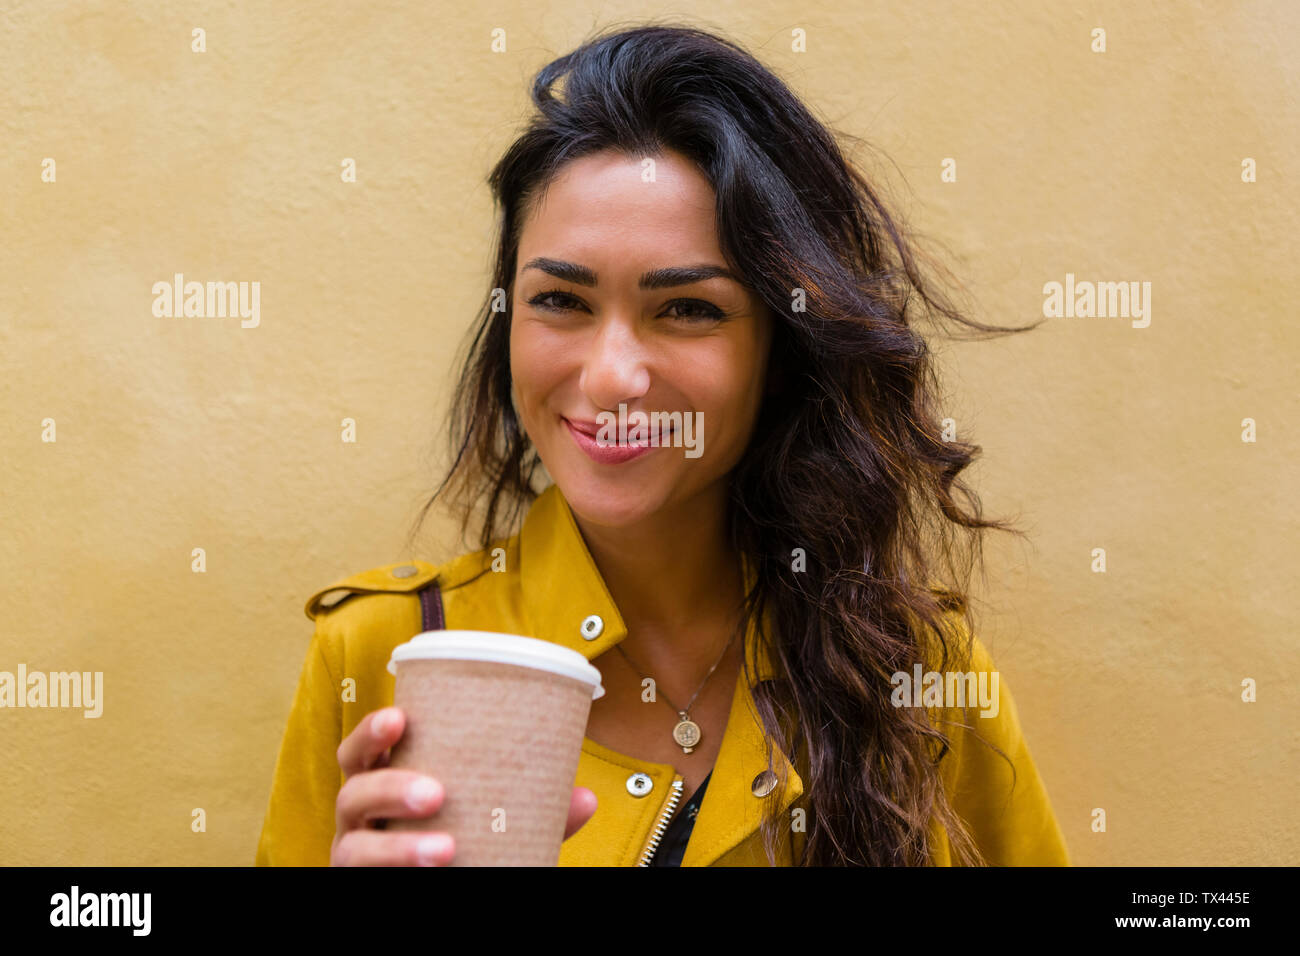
[(756, 571)]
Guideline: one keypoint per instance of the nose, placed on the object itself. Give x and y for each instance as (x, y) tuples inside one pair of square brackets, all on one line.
[(616, 367)]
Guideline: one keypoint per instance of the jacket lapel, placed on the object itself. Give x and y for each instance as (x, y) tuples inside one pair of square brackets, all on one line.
[(563, 588), (733, 807)]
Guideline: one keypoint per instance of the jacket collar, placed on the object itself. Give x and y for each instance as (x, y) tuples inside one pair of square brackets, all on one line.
[(562, 588)]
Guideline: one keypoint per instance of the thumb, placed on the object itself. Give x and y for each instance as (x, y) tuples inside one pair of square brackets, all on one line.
[(581, 809)]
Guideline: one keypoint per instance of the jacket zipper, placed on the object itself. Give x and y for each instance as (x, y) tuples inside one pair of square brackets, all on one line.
[(661, 824)]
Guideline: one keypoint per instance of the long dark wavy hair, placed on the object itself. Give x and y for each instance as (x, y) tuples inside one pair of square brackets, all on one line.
[(849, 459)]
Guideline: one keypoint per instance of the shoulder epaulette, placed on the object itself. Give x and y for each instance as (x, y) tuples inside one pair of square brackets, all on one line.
[(400, 578)]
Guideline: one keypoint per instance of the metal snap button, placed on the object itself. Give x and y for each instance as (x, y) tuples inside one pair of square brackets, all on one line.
[(592, 626), (405, 571), (764, 784), (639, 784)]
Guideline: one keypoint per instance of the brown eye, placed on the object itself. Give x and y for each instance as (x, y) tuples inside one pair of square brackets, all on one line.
[(697, 310), (560, 301)]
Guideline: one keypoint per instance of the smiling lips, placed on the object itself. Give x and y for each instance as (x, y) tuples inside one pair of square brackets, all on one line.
[(584, 435)]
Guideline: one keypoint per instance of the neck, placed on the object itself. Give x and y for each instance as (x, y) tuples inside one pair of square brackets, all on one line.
[(673, 575)]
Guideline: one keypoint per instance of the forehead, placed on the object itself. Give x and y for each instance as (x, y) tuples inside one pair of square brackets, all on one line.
[(608, 202)]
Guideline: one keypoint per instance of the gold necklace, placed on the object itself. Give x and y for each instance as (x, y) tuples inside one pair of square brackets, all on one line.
[(687, 732)]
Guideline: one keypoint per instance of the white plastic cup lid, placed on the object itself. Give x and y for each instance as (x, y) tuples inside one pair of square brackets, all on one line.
[(501, 648)]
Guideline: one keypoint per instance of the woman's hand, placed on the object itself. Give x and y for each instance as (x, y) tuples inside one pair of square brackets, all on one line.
[(374, 791)]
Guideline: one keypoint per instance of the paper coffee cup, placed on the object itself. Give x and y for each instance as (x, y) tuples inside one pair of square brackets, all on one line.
[(499, 720)]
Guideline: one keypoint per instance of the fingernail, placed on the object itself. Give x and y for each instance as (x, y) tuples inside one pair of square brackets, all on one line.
[(432, 849), (420, 794), (383, 724)]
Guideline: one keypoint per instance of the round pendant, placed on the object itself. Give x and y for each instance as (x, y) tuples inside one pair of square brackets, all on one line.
[(687, 734)]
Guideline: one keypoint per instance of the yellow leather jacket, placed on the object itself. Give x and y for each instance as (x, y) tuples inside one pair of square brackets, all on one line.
[(548, 587)]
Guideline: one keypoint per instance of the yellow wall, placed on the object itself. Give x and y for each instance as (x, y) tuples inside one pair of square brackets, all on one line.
[(174, 434)]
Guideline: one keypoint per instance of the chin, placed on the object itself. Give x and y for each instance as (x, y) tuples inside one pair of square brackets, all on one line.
[(614, 502)]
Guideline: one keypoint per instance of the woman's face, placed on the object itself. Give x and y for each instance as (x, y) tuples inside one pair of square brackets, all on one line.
[(623, 297)]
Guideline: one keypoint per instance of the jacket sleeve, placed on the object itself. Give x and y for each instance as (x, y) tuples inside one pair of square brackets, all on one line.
[(1004, 805), (299, 825)]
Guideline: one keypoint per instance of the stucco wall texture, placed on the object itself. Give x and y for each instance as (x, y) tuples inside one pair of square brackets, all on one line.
[(1128, 165)]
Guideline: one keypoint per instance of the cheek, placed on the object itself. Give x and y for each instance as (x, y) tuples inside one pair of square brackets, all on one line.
[(739, 383), (534, 366), (523, 358), (737, 394), (720, 388)]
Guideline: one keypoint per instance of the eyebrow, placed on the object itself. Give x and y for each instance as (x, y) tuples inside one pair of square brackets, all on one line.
[(654, 279)]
